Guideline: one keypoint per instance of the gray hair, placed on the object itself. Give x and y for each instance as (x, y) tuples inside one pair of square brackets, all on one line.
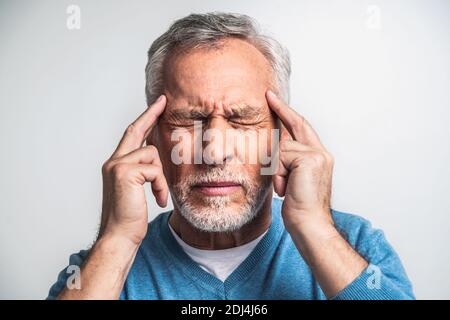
[(206, 31)]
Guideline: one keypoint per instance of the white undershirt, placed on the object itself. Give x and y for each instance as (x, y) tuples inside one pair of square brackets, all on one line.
[(219, 263)]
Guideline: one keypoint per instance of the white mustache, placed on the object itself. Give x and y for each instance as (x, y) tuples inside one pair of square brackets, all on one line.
[(218, 174)]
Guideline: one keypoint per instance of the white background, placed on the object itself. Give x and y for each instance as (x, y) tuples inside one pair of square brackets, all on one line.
[(375, 90)]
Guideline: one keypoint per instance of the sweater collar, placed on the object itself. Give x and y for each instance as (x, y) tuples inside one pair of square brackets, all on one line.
[(192, 270)]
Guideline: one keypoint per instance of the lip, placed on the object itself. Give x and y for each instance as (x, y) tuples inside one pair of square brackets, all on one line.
[(218, 188)]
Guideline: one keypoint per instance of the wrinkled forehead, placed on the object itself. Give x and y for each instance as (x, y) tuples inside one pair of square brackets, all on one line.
[(241, 110), (234, 76)]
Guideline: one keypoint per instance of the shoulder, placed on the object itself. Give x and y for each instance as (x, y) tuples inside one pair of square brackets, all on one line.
[(156, 225), (157, 238), (72, 269), (358, 231)]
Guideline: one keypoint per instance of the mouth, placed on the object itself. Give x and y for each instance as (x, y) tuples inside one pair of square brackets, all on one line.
[(217, 188)]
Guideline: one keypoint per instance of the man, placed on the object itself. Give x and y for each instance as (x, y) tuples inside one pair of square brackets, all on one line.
[(226, 238)]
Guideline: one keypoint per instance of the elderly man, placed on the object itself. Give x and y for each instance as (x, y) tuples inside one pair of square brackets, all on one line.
[(227, 237)]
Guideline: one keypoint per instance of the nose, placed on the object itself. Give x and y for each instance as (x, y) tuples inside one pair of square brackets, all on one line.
[(216, 149)]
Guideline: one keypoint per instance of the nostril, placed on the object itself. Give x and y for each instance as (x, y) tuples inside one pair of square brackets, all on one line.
[(228, 158)]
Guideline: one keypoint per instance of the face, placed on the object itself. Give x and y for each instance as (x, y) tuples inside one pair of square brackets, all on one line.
[(216, 97)]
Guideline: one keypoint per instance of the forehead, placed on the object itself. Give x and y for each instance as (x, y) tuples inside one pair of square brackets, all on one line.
[(235, 74)]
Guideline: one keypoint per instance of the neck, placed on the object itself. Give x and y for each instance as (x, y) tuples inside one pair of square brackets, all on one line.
[(223, 240)]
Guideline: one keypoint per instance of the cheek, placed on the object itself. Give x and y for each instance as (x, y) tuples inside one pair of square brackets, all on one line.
[(257, 148), (179, 173), (161, 140), (173, 148)]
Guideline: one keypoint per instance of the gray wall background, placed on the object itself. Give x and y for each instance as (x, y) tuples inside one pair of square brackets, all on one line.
[(371, 76)]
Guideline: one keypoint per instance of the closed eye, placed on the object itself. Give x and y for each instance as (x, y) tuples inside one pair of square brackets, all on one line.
[(244, 122)]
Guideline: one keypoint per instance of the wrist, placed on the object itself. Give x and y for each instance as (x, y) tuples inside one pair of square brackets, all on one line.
[(117, 242), (105, 270), (122, 234), (317, 231), (312, 233), (309, 221)]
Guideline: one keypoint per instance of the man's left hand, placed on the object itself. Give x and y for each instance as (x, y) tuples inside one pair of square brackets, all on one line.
[(305, 171)]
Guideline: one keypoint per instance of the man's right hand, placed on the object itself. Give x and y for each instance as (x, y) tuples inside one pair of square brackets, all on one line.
[(124, 212)]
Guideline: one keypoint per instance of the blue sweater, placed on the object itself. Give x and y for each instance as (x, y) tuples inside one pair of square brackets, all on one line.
[(273, 270)]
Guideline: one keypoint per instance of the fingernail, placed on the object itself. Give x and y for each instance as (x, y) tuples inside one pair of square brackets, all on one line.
[(160, 98)]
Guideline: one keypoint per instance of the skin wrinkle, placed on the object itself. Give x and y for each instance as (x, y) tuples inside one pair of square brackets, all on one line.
[(220, 87), (238, 113)]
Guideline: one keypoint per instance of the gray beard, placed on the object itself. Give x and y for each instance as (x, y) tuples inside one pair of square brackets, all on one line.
[(217, 215)]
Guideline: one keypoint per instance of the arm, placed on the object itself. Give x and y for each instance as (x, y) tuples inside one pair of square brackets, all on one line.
[(105, 270), (124, 211), (334, 263), (304, 178)]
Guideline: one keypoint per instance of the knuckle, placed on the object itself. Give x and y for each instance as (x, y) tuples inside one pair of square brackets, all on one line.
[(319, 159), (119, 171), (283, 144), (132, 130), (155, 154), (151, 148), (106, 167)]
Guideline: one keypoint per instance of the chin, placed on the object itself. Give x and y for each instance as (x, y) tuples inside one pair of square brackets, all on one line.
[(218, 215)]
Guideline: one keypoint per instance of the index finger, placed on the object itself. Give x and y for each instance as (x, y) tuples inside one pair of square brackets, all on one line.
[(297, 125), (137, 132)]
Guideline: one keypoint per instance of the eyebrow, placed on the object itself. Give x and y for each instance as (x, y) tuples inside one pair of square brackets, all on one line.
[(182, 114), (242, 111), (247, 111)]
